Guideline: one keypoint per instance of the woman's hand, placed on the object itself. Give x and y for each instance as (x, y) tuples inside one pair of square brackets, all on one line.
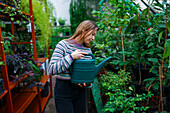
[(77, 54), (85, 85)]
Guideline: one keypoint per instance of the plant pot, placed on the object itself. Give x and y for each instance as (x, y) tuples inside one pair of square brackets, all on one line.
[(167, 91), (168, 104), (144, 74), (45, 91), (1, 87), (55, 23), (140, 89), (2, 1), (3, 102), (62, 23), (67, 33), (60, 34), (104, 99)]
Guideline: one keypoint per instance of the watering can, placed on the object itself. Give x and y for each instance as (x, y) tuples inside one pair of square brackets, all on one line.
[(84, 71)]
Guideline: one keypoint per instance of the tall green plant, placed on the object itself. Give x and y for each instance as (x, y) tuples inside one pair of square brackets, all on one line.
[(115, 17), (41, 18)]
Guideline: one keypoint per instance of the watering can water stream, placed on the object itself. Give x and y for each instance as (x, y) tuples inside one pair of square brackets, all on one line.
[(84, 71)]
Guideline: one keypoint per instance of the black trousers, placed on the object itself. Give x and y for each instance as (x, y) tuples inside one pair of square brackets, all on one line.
[(69, 98)]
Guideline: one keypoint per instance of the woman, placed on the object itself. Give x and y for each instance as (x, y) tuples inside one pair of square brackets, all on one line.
[(69, 97)]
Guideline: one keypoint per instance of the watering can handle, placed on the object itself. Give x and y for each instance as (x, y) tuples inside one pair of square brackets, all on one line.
[(90, 54)]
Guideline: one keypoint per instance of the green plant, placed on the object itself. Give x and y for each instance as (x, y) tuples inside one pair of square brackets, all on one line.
[(122, 97), (80, 10), (1, 62), (167, 51), (59, 29), (42, 19), (61, 21), (112, 21), (12, 12), (7, 38)]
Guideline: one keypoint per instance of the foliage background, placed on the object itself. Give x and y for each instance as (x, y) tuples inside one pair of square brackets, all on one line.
[(80, 10)]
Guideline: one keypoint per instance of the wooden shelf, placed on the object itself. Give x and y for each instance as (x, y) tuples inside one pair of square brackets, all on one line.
[(25, 97), (19, 102), (34, 108), (41, 60), (22, 100), (44, 101), (14, 84), (5, 92)]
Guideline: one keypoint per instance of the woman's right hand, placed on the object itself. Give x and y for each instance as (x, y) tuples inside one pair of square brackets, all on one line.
[(77, 54)]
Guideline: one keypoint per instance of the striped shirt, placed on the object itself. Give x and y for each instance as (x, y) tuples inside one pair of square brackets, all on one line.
[(62, 59)]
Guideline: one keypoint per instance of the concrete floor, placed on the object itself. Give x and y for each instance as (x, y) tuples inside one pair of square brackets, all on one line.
[(50, 107)]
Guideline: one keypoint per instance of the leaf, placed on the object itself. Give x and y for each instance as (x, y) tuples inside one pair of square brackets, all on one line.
[(169, 63), (150, 44), (2, 63), (12, 19), (167, 49), (154, 60), (131, 88), (17, 21), (168, 34), (115, 62), (168, 26), (160, 35)]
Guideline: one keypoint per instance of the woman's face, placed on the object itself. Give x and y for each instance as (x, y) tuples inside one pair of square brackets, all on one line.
[(90, 38)]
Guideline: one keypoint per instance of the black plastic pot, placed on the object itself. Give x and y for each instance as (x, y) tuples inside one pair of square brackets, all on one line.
[(167, 95), (1, 87), (3, 101), (55, 23), (2, 1), (140, 89), (45, 91), (168, 104), (144, 74)]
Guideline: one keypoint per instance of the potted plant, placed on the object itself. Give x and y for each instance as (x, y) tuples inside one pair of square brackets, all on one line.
[(60, 31), (61, 21), (67, 31), (55, 21)]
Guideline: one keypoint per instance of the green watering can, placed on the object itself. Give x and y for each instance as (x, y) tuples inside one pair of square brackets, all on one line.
[(84, 71)]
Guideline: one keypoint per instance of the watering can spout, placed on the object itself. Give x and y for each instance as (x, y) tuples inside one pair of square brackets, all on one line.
[(100, 65)]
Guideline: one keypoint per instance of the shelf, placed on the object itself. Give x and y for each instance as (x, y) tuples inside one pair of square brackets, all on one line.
[(44, 101), (22, 100), (14, 84), (34, 108), (5, 92), (41, 60), (21, 42)]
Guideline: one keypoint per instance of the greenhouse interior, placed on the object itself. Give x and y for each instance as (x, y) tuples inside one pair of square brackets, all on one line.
[(47, 48)]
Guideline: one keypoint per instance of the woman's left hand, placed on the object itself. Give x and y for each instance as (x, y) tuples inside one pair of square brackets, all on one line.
[(85, 85)]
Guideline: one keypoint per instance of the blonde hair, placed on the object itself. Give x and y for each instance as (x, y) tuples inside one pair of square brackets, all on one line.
[(84, 29)]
